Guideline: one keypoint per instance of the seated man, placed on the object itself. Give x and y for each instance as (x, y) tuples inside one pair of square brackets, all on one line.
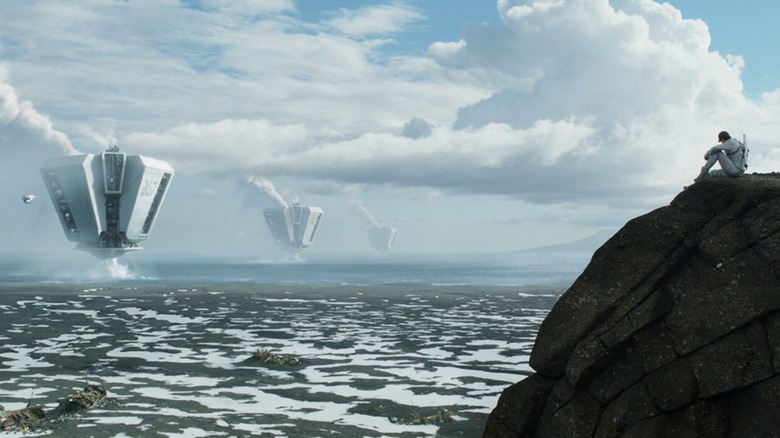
[(729, 153)]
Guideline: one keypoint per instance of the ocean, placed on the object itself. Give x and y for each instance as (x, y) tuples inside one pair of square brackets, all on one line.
[(383, 347)]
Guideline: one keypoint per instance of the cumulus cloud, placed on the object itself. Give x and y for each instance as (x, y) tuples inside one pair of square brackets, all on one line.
[(634, 72), (591, 101), (416, 128), (224, 147), (616, 61)]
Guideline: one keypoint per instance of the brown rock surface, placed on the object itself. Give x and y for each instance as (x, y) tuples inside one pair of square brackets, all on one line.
[(673, 329)]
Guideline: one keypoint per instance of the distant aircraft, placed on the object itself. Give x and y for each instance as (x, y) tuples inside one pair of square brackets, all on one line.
[(28, 198)]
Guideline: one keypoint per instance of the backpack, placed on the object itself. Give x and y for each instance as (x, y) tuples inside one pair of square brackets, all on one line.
[(745, 151)]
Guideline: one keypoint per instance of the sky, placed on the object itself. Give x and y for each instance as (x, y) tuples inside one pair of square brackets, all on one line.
[(470, 126)]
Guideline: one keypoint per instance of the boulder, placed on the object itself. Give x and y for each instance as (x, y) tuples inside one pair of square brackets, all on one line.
[(673, 329), (34, 417), (266, 358)]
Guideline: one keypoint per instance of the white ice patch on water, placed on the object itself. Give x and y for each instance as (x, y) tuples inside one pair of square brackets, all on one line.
[(157, 356), (118, 420), (485, 355), (20, 360), (184, 380), (327, 412), (191, 432), (167, 317)]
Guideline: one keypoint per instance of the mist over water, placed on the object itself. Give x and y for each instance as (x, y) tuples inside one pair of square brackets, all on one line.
[(117, 270), (524, 270)]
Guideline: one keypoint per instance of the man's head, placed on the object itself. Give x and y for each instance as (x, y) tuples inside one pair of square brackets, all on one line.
[(723, 136)]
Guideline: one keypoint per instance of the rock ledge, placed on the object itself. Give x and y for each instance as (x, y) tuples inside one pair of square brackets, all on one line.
[(673, 329)]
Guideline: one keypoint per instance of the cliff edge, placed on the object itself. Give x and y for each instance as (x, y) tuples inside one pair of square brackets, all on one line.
[(672, 329)]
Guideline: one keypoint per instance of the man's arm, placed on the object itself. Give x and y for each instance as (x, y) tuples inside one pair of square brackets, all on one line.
[(713, 150), (730, 146)]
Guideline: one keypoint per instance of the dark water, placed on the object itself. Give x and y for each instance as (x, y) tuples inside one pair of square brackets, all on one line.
[(386, 350)]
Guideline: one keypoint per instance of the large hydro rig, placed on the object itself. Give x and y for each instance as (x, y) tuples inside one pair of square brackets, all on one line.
[(293, 227), (381, 237), (107, 203)]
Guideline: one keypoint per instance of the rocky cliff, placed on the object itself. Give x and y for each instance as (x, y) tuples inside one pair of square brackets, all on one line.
[(672, 330)]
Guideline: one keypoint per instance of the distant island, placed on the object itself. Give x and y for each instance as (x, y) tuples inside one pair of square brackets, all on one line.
[(588, 244)]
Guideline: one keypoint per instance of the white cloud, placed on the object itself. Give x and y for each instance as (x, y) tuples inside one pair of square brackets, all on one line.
[(587, 58), (223, 147), (244, 7), (641, 74), (376, 19)]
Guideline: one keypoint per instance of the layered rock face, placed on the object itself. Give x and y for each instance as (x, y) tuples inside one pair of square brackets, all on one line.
[(673, 329)]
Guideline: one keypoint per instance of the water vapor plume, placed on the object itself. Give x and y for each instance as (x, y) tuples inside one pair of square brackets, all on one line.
[(364, 214), (118, 271), (20, 120), (27, 139), (267, 187)]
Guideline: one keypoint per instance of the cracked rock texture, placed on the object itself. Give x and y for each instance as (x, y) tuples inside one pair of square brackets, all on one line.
[(673, 329)]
